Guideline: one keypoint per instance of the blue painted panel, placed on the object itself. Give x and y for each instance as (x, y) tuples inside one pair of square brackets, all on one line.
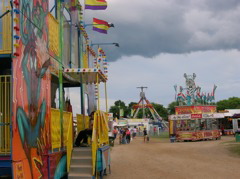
[(5, 172), (5, 163), (5, 55)]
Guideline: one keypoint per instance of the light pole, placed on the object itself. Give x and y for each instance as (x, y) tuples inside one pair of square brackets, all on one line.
[(113, 43), (119, 109)]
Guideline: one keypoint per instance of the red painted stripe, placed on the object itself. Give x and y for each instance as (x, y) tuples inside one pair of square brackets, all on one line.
[(5, 158), (98, 21)]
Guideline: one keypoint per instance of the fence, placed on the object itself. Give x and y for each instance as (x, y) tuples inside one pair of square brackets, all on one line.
[(99, 135), (53, 34), (5, 124), (55, 129), (82, 122), (68, 135), (5, 28)]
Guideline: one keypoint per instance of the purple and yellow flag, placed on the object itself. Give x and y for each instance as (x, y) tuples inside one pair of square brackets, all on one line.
[(100, 25), (95, 4)]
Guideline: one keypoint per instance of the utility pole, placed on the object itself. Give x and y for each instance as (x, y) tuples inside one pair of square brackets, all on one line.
[(119, 109), (142, 96)]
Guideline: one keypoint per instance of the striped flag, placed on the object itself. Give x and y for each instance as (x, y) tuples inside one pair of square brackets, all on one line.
[(95, 4), (100, 25)]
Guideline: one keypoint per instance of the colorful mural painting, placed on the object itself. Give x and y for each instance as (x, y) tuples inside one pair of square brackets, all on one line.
[(31, 94)]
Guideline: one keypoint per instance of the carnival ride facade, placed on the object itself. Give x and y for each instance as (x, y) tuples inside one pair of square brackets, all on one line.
[(46, 49), (195, 118), (145, 104)]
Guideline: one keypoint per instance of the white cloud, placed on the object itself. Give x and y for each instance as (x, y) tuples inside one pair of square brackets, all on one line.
[(169, 26), (162, 72)]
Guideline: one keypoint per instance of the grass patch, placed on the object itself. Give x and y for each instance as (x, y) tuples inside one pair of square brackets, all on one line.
[(163, 135), (229, 142), (235, 149)]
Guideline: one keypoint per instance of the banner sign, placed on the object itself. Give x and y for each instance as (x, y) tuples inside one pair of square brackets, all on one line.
[(180, 117), (196, 116), (137, 120), (195, 109), (198, 135)]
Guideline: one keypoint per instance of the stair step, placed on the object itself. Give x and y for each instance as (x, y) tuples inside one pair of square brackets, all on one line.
[(79, 169), (81, 165), (82, 148), (82, 157), (82, 152), (81, 176), (81, 161)]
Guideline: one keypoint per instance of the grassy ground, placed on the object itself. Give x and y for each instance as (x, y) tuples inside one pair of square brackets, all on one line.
[(233, 147), (163, 135)]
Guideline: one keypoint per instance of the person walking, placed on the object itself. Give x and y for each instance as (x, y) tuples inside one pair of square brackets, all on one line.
[(124, 141), (155, 131), (145, 135), (115, 132), (128, 136), (134, 132)]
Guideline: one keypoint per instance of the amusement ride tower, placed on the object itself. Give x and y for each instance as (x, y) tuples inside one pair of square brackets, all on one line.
[(143, 104)]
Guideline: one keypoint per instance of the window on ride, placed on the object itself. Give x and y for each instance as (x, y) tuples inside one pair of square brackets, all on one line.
[(52, 8), (1, 34), (54, 92), (67, 38)]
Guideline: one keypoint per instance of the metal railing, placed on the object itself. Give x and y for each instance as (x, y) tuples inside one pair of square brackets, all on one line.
[(53, 34), (5, 122), (5, 31), (82, 122), (99, 135), (55, 129), (67, 120), (68, 132)]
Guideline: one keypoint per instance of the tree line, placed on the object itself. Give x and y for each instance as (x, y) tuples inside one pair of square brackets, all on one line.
[(120, 108)]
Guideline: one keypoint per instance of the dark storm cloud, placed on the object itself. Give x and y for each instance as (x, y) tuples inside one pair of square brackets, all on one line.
[(148, 28)]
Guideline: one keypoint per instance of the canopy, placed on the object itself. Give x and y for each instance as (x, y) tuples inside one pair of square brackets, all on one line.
[(121, 125), (86, 75)]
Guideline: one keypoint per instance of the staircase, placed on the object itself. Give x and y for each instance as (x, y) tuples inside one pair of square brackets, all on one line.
[(81, 163)]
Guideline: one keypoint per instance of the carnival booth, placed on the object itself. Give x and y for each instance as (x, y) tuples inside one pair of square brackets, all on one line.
[(139, 123), (192, 123), (230, 122), (195, 118)]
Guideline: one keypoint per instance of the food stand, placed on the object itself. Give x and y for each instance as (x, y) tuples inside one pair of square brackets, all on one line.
[(192, 123), (195, 118)]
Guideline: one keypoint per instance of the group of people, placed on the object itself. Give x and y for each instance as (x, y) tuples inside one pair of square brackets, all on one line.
[(125, 135)]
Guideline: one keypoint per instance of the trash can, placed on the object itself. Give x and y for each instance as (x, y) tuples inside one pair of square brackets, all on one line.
[(237, 136), (172, 138), (111, 141)]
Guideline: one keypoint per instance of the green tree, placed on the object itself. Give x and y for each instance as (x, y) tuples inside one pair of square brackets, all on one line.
[(161, 110), (130, 107), (171, 107), (230, 103), (116, 109)]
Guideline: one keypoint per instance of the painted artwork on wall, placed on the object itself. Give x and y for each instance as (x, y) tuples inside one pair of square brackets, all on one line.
[(32, 94)]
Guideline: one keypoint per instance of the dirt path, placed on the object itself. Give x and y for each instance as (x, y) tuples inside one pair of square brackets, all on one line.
[(160, 159)]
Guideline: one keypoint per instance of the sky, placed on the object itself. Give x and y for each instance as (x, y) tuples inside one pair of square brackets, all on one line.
[(160, 40)]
